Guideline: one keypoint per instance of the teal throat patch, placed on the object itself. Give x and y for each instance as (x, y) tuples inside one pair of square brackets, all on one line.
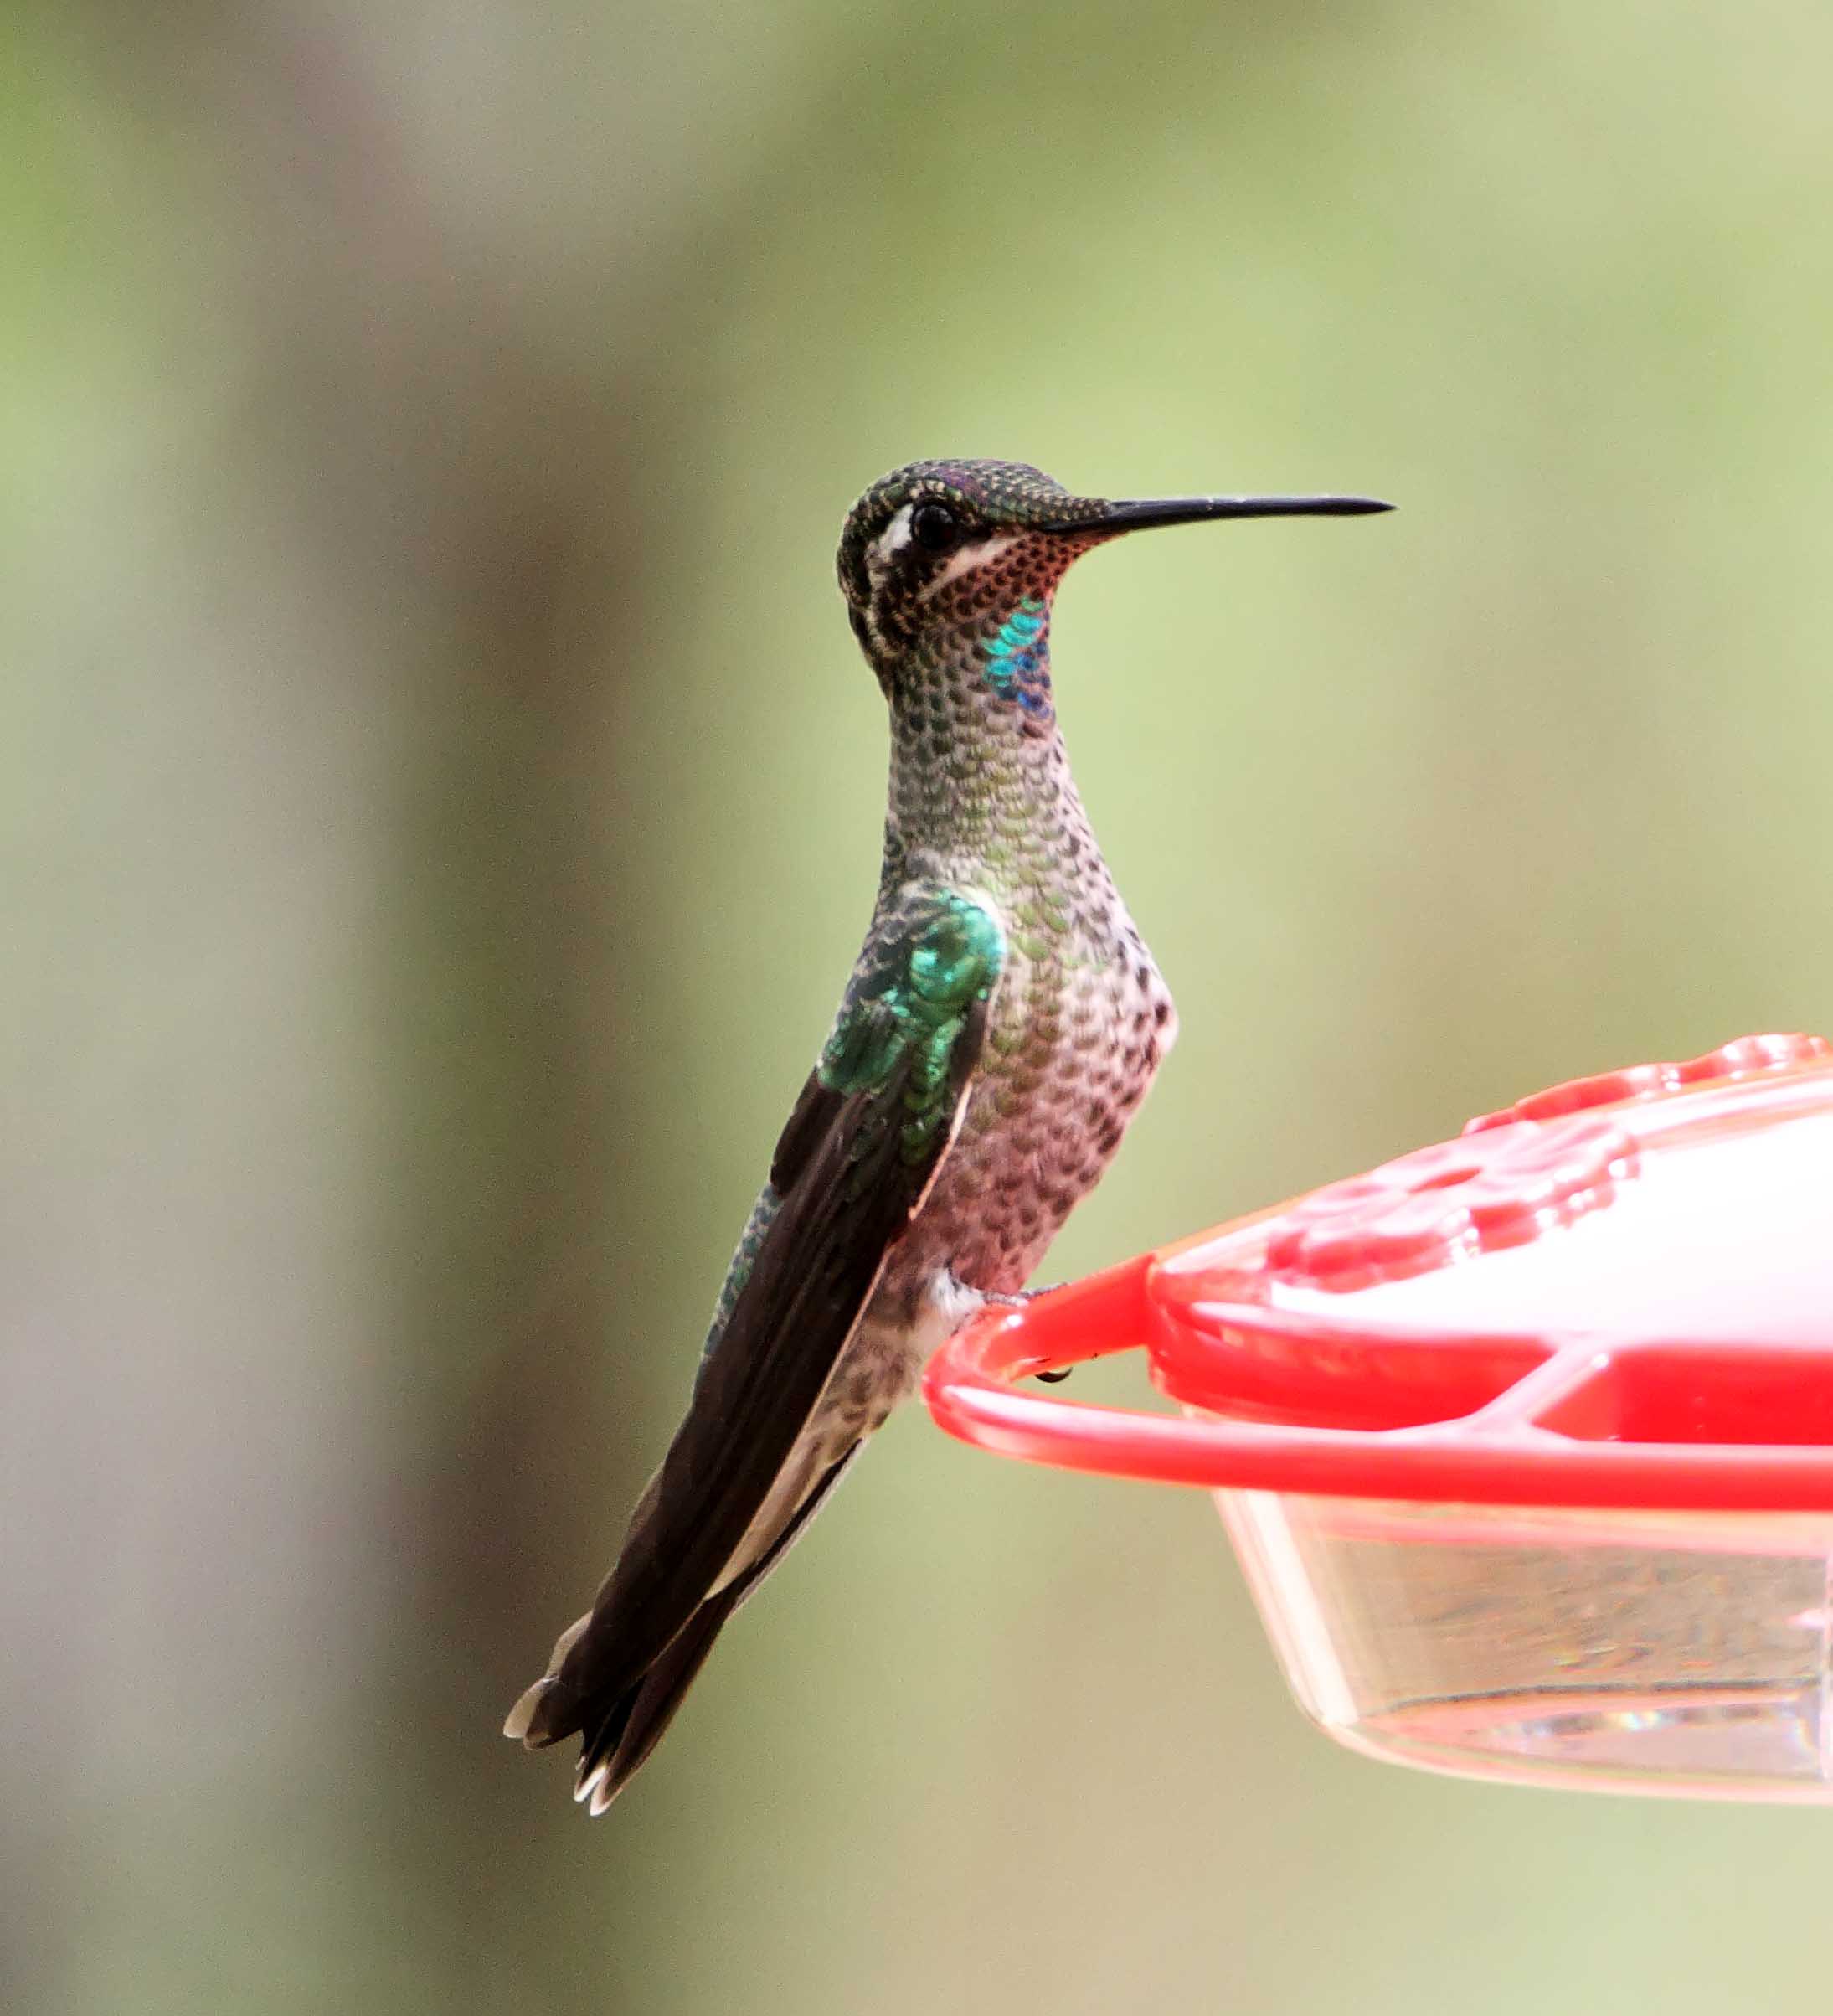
[(1018, 659)]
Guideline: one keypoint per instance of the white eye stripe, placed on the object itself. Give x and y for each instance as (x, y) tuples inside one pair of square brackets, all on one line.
[(968, 559), (895, 536)]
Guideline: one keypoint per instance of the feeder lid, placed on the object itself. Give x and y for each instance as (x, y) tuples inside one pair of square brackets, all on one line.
[(1619, 1291)]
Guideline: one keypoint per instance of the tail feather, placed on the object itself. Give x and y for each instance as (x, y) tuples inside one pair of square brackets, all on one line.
[(620, 1730), (532, 1721), (618, 1748)]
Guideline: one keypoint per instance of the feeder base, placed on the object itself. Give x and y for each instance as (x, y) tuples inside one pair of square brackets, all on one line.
[(1657, 1652)]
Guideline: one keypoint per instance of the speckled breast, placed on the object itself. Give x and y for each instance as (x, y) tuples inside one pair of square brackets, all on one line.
[(1080, 1024)]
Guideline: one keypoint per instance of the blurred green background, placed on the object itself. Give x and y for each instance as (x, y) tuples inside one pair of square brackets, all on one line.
[(443, 800)]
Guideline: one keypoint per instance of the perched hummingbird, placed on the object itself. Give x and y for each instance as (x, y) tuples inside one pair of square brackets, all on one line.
[(1002, 1022)]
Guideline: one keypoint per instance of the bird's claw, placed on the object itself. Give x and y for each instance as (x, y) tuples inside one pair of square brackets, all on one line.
[(1018, 1301)]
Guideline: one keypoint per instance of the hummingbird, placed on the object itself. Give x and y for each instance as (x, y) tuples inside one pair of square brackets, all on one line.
[(1000, 1026)]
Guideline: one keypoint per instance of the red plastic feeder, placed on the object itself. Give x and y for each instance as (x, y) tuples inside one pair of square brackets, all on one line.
[(1525, 1441)]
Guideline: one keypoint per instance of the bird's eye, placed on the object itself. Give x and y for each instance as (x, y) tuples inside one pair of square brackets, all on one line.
[(934, 526)]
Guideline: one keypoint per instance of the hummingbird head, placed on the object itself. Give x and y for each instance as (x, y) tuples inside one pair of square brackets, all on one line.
[(943, 560)]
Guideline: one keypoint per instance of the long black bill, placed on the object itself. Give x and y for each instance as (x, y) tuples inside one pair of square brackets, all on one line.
[(1137, 514)]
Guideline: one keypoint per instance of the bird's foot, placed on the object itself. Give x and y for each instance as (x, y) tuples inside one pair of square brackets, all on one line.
[(1018, 1301)]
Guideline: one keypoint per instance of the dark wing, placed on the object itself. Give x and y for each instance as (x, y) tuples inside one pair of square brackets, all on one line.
[(853, 1164)]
